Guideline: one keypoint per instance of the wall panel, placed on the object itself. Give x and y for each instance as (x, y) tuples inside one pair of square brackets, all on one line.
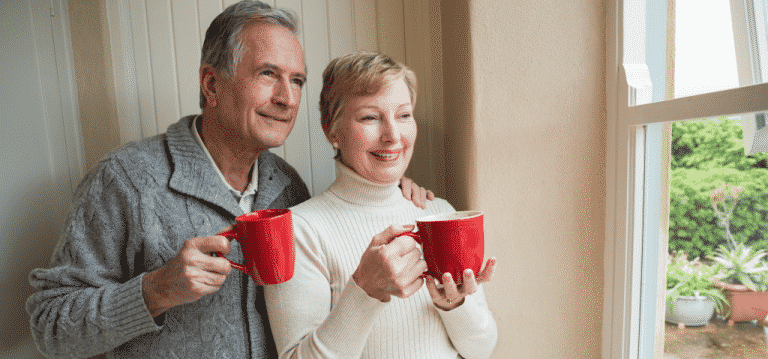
[(296, 147), (341, 24), (162, 59), (187, 47), (165, 39), (391, 28), (207, 11), (317, 52), (365, 25)]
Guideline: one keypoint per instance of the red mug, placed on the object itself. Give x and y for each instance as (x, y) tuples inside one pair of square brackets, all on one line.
[(266, 239), (451, 242)]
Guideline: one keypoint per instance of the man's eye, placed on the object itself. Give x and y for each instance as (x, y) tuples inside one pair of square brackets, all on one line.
[(299, 82), (368, 118), (268, 73)]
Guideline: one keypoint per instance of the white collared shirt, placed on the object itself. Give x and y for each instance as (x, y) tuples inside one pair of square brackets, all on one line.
[(245, 199)]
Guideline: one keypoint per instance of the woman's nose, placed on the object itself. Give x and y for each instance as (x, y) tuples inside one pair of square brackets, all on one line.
[(389, 130)]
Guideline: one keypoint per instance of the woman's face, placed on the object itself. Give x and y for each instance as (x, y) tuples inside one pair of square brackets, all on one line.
[(376, 133)]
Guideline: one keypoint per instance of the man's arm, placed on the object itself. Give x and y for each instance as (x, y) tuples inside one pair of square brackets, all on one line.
[(87, 303), (96, 295)]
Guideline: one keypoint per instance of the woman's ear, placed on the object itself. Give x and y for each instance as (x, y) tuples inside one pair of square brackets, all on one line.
[(208, 81), (332, 139)]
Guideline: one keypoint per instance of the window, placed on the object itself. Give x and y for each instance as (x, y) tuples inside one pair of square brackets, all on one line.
[(640, 99)]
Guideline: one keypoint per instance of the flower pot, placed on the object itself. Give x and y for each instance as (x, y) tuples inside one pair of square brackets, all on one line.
[(691, 311), (745, 304)]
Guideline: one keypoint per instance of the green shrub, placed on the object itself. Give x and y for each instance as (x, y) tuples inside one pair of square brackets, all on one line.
[(705, 155)]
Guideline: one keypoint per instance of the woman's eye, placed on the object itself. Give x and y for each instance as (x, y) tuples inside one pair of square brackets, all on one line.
[(405, 115), (368, 118)]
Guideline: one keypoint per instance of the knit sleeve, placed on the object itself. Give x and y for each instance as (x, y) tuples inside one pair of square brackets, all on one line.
[(86, 303), (471, 326), (303, 322)]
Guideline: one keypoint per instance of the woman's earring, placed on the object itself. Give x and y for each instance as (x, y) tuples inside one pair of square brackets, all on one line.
[(335, 145)]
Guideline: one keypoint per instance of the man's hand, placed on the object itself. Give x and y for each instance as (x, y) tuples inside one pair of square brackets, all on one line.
[(412, 192), (391, 266), (189, 276)]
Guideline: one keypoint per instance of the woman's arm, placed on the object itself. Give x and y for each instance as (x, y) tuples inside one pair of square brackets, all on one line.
[(471, 326)]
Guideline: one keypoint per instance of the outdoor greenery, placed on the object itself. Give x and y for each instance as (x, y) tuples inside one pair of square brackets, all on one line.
[(705, 155), (694, 279)]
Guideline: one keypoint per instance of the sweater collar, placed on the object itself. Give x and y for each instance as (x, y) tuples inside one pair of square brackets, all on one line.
[(193, 173), (353, 188)]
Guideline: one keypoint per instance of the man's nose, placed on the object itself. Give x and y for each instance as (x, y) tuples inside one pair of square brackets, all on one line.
[(285, 93)]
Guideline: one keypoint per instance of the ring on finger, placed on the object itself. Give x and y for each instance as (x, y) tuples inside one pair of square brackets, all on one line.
[(449, 300)]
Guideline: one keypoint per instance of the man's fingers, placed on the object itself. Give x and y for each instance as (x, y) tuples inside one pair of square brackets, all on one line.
[(211, 244), (430, 195), (406, 185), (229, 228), (215, 265), (421, 194)]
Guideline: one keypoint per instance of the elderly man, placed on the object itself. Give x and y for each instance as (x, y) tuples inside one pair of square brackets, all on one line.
[(132, 275)]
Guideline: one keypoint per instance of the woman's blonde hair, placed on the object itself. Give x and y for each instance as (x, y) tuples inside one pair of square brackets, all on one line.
[(356, 74)]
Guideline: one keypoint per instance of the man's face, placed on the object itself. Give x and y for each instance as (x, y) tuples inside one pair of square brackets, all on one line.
[(258, 106)]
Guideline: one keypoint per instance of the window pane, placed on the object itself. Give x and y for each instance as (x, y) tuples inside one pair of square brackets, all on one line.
[(705, 155), (704, 46), (705, 57)]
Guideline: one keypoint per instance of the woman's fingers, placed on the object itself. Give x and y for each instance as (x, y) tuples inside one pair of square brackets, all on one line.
[(470, 285), (487, 273), (450, 288), (434, 292)]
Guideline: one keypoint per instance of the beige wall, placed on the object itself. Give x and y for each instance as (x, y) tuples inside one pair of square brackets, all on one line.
[(98, 117), (525, 106)]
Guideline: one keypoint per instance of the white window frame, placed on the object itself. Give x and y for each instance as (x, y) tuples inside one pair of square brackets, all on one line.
[(629, 112)]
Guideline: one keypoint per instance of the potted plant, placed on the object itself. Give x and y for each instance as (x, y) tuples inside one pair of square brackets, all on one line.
[(691, 297), (742, 273), (744, 276)]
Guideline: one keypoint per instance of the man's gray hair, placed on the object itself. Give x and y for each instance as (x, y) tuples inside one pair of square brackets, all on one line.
[(223, 45)]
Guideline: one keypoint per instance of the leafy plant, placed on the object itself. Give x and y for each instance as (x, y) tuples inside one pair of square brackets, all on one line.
[(694, 279), (742, 265)]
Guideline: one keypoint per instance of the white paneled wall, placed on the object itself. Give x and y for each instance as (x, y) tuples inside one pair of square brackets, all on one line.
[(155, 48)]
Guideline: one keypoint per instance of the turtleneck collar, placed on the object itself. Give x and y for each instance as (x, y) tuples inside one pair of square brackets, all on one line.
[(353, 188)]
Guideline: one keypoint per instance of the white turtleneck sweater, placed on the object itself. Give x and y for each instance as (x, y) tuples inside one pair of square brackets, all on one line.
[(322, 313)]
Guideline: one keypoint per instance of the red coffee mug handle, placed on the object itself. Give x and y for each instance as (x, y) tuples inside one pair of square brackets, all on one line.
[(238, 266), (418, 240)]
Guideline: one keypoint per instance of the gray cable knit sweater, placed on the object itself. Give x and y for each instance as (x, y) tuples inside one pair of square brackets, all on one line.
[(131, 215)]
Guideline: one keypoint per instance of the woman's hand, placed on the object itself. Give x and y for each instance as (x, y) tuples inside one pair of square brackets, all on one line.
[(391, 266), (448, 295)]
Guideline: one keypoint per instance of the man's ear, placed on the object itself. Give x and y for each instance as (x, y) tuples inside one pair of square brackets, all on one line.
[(208, 82)]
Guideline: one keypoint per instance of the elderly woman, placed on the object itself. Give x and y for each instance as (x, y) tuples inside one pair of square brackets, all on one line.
[(356, 297)]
